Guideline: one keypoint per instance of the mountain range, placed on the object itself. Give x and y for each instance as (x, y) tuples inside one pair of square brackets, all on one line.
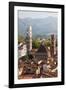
[(40, 26)]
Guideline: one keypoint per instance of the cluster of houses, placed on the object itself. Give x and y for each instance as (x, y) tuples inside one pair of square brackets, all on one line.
[(42, 62)]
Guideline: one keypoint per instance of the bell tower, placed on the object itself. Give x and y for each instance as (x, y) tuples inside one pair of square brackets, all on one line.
[(52, 45), (29, 38)]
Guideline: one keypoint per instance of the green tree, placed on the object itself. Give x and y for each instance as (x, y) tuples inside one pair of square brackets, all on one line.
[(35, 43)]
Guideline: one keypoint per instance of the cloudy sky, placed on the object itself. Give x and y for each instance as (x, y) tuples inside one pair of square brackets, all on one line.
[(34, 14), (44, 22)]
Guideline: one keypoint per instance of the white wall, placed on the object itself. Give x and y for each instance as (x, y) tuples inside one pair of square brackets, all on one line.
[(4, 44)]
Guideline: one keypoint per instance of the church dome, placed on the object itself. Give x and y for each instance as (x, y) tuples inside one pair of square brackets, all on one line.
[(42, 53), (42, 49)]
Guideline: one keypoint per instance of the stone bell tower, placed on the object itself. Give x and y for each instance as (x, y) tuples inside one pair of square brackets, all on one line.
[(29, 39), (52, 45)]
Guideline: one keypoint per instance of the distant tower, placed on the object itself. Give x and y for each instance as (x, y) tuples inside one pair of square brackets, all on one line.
[(29, 39), (55, 43), (52, 45)]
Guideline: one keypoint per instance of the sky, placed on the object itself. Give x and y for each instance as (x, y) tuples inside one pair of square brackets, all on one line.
[(43, 21), (35, 14)]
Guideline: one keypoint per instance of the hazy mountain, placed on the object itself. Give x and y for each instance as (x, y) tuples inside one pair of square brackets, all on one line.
[(40, 27)]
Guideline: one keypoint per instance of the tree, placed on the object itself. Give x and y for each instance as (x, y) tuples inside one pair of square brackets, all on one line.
[(35, 43)]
